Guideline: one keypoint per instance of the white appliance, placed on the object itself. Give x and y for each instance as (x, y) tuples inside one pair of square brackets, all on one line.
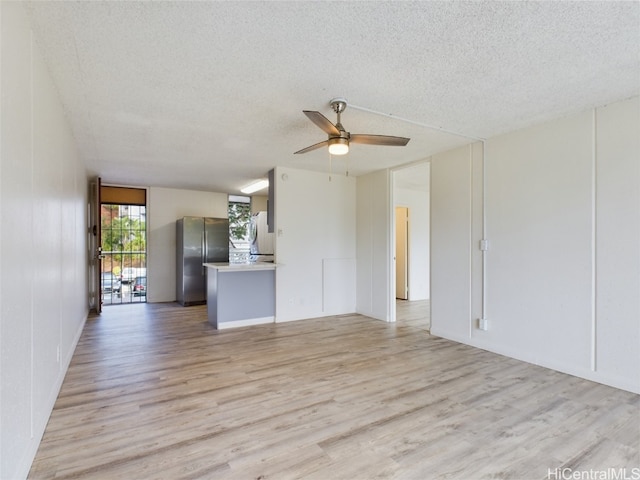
[(261, 242)]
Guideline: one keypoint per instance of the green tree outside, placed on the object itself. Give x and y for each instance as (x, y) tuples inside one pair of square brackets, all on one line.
[(123, 239), (239, 217)]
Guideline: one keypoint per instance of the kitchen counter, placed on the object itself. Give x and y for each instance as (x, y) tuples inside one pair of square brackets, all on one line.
[(241, 267), (240, 294)]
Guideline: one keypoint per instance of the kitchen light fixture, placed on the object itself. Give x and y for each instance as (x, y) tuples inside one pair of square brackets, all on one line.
[(338, 146), (255, 186)]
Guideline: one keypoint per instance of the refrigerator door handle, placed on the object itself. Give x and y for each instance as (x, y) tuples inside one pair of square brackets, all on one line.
[(204, 250)]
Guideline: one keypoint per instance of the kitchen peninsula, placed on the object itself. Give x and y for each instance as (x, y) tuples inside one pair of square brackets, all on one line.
[(240, 294)]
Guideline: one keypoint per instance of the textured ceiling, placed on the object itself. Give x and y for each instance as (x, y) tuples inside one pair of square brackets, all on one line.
[(209, 95)]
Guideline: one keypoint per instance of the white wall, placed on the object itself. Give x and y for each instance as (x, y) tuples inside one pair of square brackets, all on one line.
[(374, 296), (617, 254), (165, 206), (43, 244), (563, 266), (456, 268), (539, 226), (417, 201), (315, 244)]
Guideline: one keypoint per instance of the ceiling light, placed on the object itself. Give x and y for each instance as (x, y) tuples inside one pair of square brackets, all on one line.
[(338, 146), (255, 186)]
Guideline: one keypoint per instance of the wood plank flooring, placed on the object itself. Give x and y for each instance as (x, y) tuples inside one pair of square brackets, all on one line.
[(416, 313), (153, 392)]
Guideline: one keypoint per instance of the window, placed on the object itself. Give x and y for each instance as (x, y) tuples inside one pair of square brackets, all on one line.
[(124, 250), (239, 220)]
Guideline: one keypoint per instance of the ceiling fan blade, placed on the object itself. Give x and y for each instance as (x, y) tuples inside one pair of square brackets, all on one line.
[(313, 147), (322, 121), (379, 140)]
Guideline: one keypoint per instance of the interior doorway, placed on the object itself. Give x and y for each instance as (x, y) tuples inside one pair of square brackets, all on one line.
[(411, 249)]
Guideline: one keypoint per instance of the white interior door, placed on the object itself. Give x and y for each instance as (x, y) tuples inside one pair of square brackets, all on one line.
[(402, 252)]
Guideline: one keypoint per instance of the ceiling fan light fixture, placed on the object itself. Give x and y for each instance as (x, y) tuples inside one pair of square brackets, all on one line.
[(339, 138), (338, 146)]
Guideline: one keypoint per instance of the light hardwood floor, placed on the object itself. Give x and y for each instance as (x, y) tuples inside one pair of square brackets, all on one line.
[(153, 392), (416, 313)]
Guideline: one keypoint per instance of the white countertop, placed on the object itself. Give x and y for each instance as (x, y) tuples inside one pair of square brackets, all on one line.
[(241, 267)]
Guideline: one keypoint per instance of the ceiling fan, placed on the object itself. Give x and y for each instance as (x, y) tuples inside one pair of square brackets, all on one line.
[(339, 138)]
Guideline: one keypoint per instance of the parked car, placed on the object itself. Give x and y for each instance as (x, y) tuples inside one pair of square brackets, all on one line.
[(130, 273), (127, 274), (139, 287), (110, 283)]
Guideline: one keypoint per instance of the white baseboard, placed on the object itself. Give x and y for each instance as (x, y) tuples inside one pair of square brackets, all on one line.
[(36, 438), (245, 323)]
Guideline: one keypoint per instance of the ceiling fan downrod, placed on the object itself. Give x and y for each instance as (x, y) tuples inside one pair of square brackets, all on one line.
[(338, 105)]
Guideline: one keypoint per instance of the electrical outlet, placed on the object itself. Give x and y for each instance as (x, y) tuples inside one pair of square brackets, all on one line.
[(483, 324)]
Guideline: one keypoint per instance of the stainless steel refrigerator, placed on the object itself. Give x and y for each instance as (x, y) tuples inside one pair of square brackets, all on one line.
[(198, 240)]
